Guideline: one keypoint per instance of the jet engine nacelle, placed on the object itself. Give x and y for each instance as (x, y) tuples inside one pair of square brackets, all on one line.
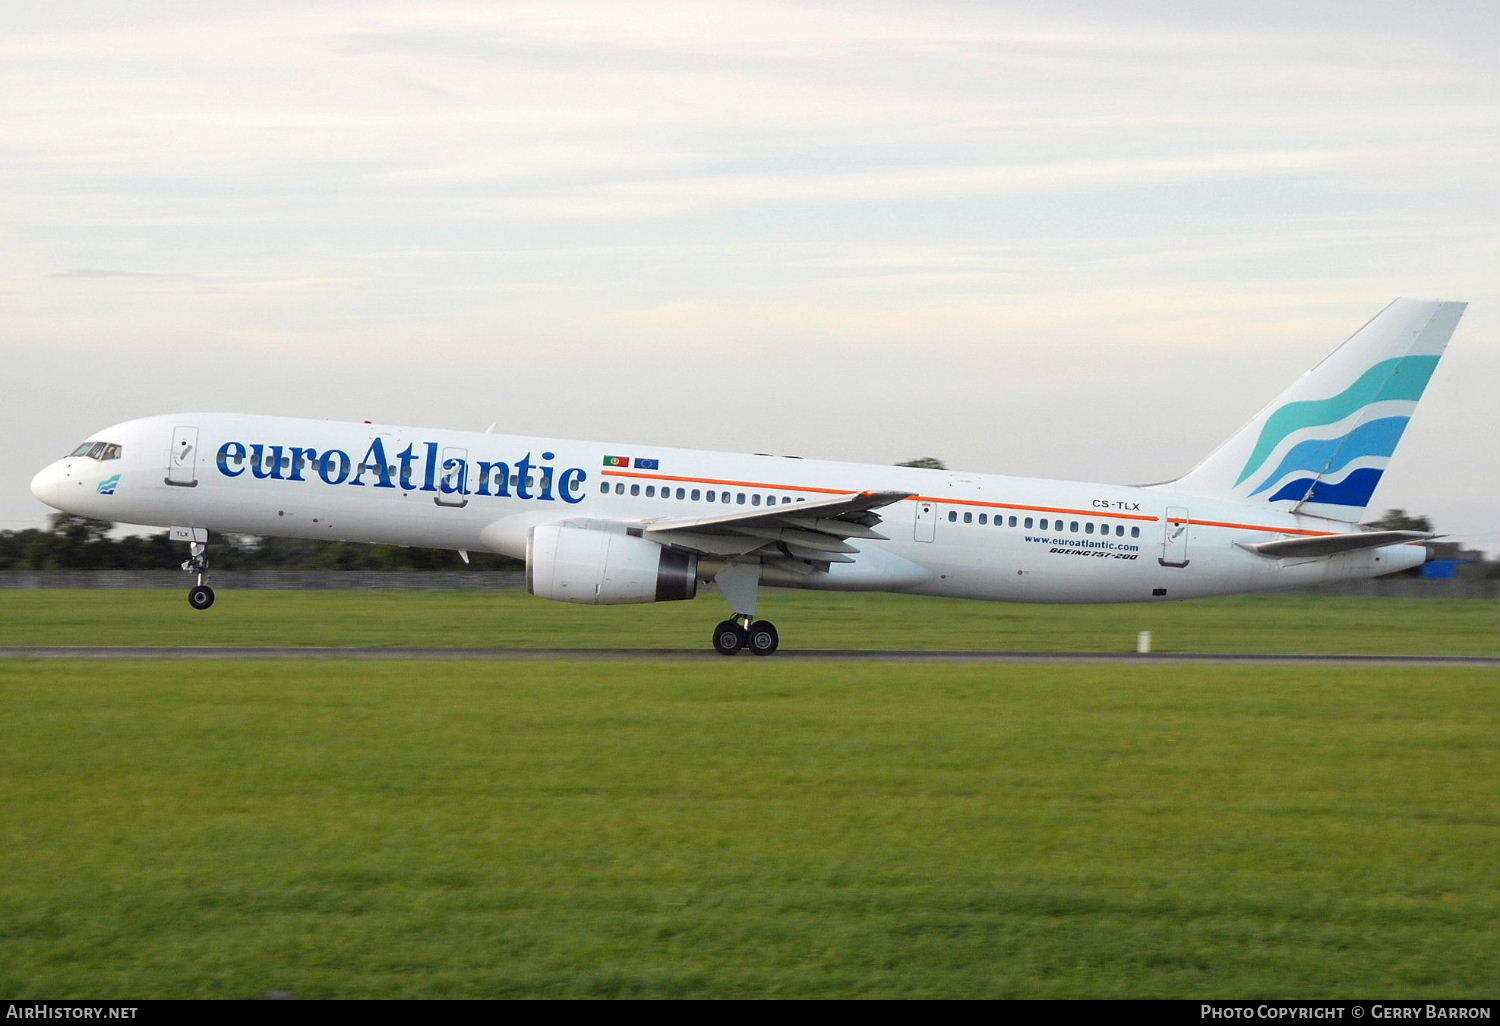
[(604, 568)]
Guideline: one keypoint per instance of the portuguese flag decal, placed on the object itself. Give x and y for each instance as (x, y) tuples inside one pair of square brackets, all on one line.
[(617, 461)]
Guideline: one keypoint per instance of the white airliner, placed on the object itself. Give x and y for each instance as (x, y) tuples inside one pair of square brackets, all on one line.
[(1275, 506)]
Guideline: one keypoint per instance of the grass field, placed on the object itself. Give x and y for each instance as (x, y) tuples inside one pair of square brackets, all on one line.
[(741, 828), (807, 621)]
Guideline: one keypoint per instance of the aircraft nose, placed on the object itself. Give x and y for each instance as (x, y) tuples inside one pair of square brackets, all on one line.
[(48, 484)]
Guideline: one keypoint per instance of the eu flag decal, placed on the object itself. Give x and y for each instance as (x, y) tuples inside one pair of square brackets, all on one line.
[(641, 464)]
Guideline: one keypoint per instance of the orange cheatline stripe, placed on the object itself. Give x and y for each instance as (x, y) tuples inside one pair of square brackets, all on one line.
[(849, 491), (731, 484), (1258, 527), (1093, 513), (1273, 530)]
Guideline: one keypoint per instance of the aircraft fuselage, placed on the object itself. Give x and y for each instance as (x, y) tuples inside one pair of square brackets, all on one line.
[(956, 534)]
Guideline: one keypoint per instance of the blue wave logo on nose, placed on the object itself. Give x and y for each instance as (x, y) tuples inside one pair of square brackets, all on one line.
[(108, 485)]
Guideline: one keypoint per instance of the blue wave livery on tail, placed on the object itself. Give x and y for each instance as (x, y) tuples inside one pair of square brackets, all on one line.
[(1321, 447)]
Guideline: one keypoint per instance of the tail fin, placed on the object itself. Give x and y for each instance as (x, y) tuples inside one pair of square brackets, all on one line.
[(1323, 445)]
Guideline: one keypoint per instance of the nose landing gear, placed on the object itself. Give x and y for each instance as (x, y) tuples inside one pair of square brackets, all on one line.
[(200, 596)]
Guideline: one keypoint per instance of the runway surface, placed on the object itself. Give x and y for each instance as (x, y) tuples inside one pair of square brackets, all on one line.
[(706, 655)]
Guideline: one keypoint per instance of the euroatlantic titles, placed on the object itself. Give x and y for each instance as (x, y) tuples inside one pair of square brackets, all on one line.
[(416, 468)]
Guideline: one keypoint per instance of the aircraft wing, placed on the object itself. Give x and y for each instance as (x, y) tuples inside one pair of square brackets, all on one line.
[(1329, 545), (802, 537)]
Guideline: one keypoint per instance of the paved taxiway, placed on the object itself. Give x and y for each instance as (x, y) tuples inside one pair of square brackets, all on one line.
[(706, 655)]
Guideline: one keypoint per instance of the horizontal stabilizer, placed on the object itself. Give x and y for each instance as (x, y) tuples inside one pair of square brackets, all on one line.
[(1330, 545)]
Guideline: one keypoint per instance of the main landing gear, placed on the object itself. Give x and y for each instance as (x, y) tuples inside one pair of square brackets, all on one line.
[(759, 636), (200, 596), (740, 583)]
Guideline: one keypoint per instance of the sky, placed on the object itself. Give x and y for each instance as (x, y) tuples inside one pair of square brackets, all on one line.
[(1074, 239)]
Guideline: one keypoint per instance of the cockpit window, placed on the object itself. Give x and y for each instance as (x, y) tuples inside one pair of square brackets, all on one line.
[(98, 450)]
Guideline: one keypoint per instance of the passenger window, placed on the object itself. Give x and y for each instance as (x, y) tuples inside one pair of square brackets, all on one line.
[(984, 518), (1135, 532), (1088, 528), (968, 518), (755, 500), (952, 516), (681, 493), (604, 488), (1012, 521), (619, 489), (635, 489), (740, 499), (651, 491), (1073, 527), (696, 494), (1028, 524)]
